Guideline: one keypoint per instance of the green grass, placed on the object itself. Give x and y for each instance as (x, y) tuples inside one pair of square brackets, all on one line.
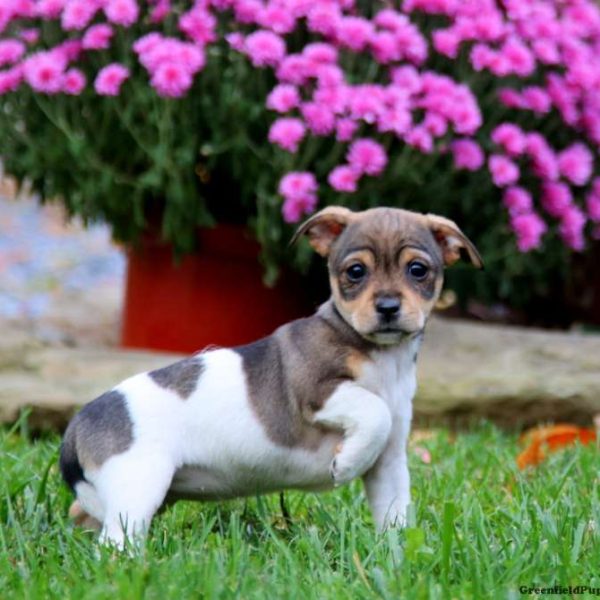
[(479, 529)]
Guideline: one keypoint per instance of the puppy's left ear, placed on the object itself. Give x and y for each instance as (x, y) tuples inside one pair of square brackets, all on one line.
[(324, 227), (451, 240)]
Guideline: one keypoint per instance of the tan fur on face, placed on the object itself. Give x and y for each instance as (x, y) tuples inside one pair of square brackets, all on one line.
[(360, 311), (385, 241)]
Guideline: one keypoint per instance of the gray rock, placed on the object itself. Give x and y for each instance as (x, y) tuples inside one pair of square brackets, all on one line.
[(52, 382), (512, 376), (467, 371)]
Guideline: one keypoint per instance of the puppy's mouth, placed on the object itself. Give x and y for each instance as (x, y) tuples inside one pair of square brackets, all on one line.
[(387, 335)]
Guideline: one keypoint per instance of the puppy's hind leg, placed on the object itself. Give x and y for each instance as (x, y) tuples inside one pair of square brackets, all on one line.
[(132, 486), (87, 510)]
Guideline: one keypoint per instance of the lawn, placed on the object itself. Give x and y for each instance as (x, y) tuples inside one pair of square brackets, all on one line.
[(479, 529)]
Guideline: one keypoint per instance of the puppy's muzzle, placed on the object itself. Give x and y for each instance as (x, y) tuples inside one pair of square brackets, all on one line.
[(388, 309)]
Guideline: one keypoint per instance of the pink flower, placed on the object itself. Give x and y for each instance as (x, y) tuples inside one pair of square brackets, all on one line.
[(323, 18), (446, 42), (68, 50), (510, 137), (571, 227), (97, 37), (536, 99), (592, 202), (411, 43), (467, 154), (287, 133), (11, 79), (366, 102), (277, 18), (265, 48), (335, 97), (294, 69), (155, 52), (299, 191), (343, 179), (73, 82), (44, 72), (345, 130), (295, 208), (190, 56), (30, 36), (11, 51), (319, 52), (519, 57), (319, 118), (390, 19), (556, 198), (511, 98), (385, 47), (78, 13), (545, 163), (49, 9), (147, 42), (171, 79), (546, 51), (482, 57), (504, 172), (435, 124), (247, 11), (367, 156), (418, 137), (235, 40), (576, 164), (590, 121), (161, 10), (354, 32), (327, 75), (517, 200), (407, 78), (110, 78), (283, 98), (529, 229), (121, 12), (199, 25)]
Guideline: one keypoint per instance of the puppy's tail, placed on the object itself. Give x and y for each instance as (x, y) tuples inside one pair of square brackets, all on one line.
[(69, 462)]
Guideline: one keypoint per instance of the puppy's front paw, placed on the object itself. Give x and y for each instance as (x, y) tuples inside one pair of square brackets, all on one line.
[(342, 472)]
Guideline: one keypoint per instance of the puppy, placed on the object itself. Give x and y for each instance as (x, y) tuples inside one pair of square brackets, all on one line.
[(321, 401)]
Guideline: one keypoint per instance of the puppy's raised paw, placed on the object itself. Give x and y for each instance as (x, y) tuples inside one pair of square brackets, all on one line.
[(342, 472)]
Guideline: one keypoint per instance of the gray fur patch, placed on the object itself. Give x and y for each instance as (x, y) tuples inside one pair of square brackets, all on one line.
[(100, 430), (181, 377), (291, 374)]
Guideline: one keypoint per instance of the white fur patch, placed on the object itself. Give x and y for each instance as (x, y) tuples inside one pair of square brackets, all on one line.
[(210, 445), (392, 375)]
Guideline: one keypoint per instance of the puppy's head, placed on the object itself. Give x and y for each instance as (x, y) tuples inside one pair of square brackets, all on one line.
[(386, 265)]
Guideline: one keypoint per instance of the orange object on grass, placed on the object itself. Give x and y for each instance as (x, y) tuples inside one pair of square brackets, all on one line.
[(542, 440)]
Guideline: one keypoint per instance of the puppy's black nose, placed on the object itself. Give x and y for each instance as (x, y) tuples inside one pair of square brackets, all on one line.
[(388, 308)]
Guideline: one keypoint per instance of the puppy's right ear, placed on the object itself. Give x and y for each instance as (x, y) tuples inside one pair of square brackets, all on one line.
[(324, 227)]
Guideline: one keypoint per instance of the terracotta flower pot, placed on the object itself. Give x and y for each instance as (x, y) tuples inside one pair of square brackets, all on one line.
[(215, 296)]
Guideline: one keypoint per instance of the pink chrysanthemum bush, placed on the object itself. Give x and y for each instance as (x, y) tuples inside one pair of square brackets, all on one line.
[(264, 111)]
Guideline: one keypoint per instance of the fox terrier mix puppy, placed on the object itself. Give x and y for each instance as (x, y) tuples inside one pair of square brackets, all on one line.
[(323, 400)]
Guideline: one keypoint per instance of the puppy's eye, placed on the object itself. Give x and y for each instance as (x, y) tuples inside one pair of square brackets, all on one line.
[(356, 272), (418, 270)]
